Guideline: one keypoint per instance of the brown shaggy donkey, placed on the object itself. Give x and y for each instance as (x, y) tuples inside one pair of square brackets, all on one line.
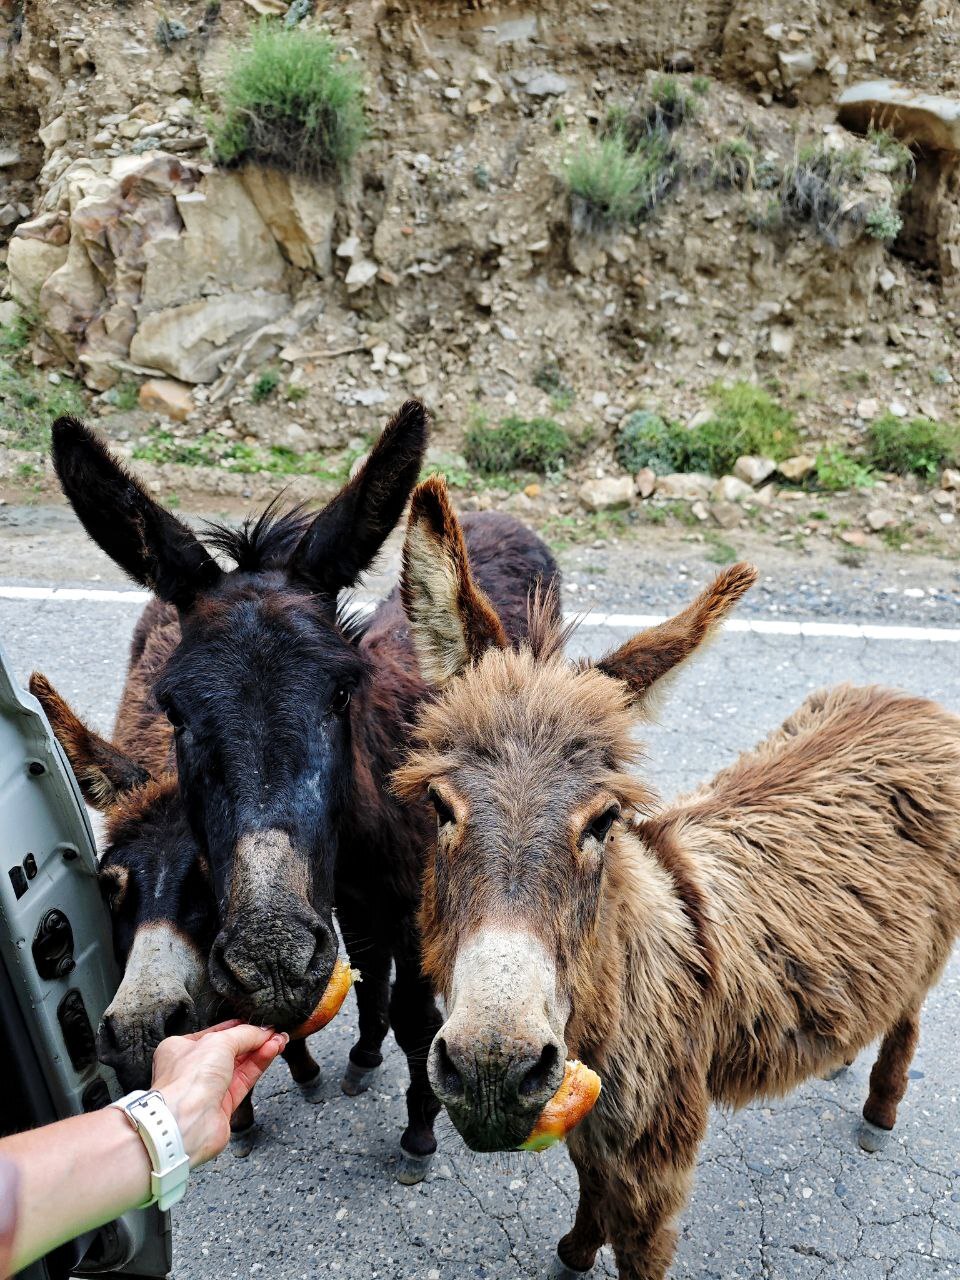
[(724, 947)]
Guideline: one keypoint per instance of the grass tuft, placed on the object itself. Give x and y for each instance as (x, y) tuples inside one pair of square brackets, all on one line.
[(265, 386), (837, 470), (29, 402), (914, 446), (518, 444), (614, 185), (732, 165), (746, 420), (293, 100)]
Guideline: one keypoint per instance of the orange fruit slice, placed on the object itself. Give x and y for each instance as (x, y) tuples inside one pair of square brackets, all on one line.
[(334, 994), (579, 1090)]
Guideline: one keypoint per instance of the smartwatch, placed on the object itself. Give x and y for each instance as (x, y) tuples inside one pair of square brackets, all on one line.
[(160, 1133)]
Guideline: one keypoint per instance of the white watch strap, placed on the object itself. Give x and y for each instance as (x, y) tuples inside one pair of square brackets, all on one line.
[(160, 1133)]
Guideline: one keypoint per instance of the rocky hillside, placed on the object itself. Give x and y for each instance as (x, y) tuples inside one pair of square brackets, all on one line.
[(568, 225)]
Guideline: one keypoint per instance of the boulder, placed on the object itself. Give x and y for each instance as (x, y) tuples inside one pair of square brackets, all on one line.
[(731, 489), (194, 341), (927, 120), (753, 470), (163, 395), (685, 484), (299, 213), (646, 482), (797, 468), (224, 247), (30, 262), (607, 493), (950, 479)]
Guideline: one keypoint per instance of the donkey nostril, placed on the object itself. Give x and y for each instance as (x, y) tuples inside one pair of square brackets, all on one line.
[(179, 1021), (448, 1077), (537, 1078)]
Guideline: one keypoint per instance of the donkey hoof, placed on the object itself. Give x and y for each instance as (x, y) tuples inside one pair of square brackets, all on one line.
[(872, 1138), (560, 1271), (312, 1086), (413, 1169), (357, 1080)]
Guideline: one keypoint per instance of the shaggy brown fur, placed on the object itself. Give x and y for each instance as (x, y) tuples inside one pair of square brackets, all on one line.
[(726, 946)]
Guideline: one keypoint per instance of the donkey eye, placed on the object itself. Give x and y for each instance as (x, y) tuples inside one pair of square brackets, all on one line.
[(445, 815), (340, 700), (599, 828)]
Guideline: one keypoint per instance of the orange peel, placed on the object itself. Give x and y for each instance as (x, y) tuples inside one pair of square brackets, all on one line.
[(334, 994), (576, 1096)]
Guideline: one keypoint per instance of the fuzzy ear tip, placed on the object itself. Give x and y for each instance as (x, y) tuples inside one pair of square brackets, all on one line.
[(38, 684), (430, 501), (68, 428)]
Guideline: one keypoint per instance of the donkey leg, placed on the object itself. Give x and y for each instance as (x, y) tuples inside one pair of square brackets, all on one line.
[(415, 1019), (642, 1222), (577, 1250), (242, 1119), (373, 1000), (303, 1068), (888, 1081)]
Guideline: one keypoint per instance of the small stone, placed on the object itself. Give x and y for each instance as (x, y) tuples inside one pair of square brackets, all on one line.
[(854, 537), (532, 490), (753, 470), (894, 336), (724, 349), (55, 133), (700, 511), (942, 498), (927, 308), (685, 484), (947, 517), (797, 66), (349, 248), (130, 128), (950, 479), (452, 92), (730, 489), (781, 340), (680, 60), (9, 156), (797, 468), (898, 408), (726, 514), (607, 493), (886, 280), (166, 396), (868, 409), (9, 214), (764, 497), (546, 84), (878, 519), (360, 275), (646, 482)]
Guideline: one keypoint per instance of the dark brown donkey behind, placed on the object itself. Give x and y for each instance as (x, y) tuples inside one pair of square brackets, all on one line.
[(153, 877), (289, 717), (726, 947)]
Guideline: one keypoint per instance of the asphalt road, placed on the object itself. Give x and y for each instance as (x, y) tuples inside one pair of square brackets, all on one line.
[(783, 1191)]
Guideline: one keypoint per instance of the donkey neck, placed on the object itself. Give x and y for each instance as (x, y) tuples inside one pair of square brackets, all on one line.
[(639, 1003)]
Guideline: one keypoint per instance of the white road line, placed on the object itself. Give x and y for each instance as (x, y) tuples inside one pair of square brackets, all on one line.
[(589, 622)]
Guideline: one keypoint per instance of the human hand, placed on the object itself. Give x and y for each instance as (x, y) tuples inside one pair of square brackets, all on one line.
[(203, 1078)]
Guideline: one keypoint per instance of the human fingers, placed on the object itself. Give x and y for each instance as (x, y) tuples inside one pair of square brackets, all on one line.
[(205, 1031), (248, 1070)]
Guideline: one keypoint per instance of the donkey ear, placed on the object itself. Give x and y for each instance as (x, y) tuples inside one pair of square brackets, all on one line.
[(652, 654), (344, 538), (102, 771), (451, 620), (146, 541)]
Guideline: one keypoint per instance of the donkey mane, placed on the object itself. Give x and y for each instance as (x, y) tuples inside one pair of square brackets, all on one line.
[(263, 542)]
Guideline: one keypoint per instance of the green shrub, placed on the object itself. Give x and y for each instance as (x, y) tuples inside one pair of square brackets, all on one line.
[(291, 101), (646, 440), (612, 185), (265, 386), (837, 469), (883, 223), (29, 401), (518, 444), (915, 446), (700, 85), (746, 419)]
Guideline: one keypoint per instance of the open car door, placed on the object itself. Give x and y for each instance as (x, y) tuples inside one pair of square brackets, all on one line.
[(57, 973)]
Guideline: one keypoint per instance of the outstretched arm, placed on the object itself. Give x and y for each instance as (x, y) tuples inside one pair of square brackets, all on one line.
[(77, 1174)]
